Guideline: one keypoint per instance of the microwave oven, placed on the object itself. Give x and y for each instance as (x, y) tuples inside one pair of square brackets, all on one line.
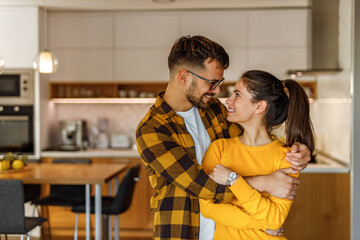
[(17, 87)]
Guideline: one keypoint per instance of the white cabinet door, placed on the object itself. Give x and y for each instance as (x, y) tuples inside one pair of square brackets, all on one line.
[(282, 28), (142, 64), (84, 65), (143, 42), (228, 28), (279, 40), (146, 30), (19, 38), (80, 30), (83, 43)]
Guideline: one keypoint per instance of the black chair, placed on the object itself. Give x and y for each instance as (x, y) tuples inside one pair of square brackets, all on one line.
[(32, 192), (12, 212), (63, 195), (113, 205)]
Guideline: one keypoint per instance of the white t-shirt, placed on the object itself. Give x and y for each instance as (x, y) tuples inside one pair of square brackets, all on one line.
[(197, 130)]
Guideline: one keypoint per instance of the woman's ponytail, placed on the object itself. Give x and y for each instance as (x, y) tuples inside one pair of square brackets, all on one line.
[(298, 126)]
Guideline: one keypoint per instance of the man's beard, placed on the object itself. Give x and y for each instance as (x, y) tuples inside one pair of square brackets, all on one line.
[(196, 101)]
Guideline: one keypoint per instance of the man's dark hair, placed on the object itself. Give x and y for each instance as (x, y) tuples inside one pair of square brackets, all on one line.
[(194, 50)]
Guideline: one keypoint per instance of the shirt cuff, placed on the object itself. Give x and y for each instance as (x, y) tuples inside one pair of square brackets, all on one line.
[(243, 191)]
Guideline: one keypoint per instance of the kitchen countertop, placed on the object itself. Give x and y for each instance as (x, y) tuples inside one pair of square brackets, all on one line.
[(92, 153), (324, 165)]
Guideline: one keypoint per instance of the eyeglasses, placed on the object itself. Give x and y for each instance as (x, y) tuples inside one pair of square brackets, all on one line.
[(213, 83)]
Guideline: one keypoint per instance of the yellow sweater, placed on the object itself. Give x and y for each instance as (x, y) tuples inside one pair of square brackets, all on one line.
[(251, 212)]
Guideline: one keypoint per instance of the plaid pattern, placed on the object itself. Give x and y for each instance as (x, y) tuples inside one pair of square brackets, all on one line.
[(168, 153)]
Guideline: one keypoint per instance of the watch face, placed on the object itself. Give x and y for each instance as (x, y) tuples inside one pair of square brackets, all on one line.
[(232, 176)]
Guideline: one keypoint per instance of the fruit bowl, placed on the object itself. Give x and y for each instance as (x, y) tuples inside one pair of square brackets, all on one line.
[(11, 162)]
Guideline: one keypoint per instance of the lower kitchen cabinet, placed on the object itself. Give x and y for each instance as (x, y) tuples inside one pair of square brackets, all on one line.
[(135, 223), (321, 209)]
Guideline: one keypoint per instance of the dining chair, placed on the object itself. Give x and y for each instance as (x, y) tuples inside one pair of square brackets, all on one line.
[(113, 205), (63, 195), (32, 192), (12, 210)]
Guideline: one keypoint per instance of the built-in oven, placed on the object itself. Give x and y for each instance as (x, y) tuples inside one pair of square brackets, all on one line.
[(17, 129), (17, 111)]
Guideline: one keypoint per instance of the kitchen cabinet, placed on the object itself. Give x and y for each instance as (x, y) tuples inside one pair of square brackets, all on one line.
[(134, 46), (321, 209), (137, 221), (19, 41)]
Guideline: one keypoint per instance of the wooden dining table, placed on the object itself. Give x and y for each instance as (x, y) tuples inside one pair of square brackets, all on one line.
[(73, 174)]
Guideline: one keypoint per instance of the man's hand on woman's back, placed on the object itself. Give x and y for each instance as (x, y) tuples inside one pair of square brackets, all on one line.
[(299, 156)]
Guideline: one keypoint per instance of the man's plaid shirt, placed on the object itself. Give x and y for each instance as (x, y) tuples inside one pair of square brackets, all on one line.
[(168, 153)]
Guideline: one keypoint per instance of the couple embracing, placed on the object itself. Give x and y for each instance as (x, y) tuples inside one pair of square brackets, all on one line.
[(218, 172)]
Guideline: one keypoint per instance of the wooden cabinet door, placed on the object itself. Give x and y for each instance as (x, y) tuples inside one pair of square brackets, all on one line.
[(321, 209)]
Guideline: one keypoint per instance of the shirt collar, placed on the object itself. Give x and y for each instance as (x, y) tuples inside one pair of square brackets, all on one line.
[(162, 107)]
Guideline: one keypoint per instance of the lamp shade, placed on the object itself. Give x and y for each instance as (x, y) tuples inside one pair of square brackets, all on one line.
[(45, 62)]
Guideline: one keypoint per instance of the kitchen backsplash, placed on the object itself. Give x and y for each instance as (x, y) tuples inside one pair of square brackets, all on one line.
[(332, 120), (123, 118), (332, 127)]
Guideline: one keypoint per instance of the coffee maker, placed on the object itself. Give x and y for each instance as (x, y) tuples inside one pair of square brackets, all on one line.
[(73, 135)]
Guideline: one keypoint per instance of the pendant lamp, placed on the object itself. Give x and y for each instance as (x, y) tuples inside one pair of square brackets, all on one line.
[(45, 61)]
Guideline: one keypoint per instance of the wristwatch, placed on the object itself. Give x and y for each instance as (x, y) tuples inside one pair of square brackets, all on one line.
[(232, 176)]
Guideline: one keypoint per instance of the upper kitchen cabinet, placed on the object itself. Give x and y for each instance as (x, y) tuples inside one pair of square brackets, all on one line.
[(229, 28), (255, 39), (80, 30), (133, 46), (19, 41), (278, 40), (108, 46), (143, 41), (83, 43)]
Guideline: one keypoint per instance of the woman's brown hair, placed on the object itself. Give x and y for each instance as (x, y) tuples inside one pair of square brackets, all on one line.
[(293, 109)]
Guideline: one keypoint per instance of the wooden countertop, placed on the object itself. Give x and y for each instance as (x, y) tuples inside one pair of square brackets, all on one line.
[(37, 173)]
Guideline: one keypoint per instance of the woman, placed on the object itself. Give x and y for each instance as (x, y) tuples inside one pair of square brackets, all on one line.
[(259, 104)]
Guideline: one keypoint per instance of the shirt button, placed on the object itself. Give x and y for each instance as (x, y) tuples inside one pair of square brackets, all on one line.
[(196, 212), (196, 234)]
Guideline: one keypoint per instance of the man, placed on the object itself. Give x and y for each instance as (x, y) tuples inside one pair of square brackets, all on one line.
[(175, 133)]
